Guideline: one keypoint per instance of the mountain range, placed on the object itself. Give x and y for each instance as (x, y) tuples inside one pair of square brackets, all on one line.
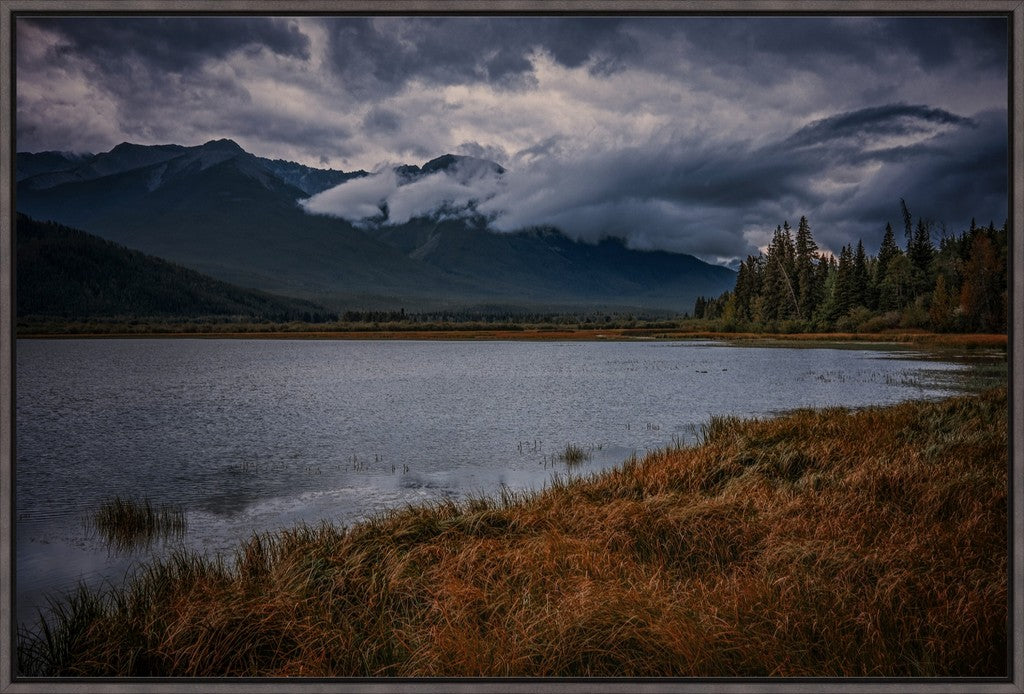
[(236, 217)]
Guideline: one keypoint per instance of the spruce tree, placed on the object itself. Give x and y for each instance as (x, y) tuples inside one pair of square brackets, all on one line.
[(860, 291), (897, 286), (824, 269), (908, 222), (788, 254), (920, 252), (827, 273), (698, 307), (740, 291), (886, 253), (785, 257), (777, 292), (807, 289), (747, 288), (844, 291)]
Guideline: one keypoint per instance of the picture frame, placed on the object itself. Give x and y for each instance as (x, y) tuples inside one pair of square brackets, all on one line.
[(13, 9)]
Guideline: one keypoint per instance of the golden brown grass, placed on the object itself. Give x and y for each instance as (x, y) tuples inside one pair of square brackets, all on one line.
[(821, 543), (573, 454), (129, 523), (918, 338)]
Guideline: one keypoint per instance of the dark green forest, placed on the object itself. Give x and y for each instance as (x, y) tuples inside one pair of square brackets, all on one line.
[(934, 281), (66, 273)]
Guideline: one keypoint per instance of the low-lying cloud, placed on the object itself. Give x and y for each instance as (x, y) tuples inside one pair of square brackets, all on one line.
[(845, 172), (390, 198)]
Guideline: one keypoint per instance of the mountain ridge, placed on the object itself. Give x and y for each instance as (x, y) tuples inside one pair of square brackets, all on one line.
[(67, 273), (220, 210)]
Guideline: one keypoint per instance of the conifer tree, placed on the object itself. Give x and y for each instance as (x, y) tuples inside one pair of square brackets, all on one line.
[(748, 288), (897, 286), (788, 253), (824, 316), (807, 287), (859, 283), (699, 306), (908, 222), (886, 253), (844, 291), (921, 252), (825, 268), (778, 294)]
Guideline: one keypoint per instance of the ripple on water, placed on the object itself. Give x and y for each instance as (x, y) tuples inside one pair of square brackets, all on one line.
[(251, 436)]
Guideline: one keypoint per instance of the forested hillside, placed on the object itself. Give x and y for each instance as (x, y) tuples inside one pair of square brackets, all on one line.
[(67, 273), (956, 285)]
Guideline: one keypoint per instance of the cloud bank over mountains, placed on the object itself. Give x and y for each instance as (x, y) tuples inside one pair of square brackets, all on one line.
[(665, 190), (694, 134), (388, 197)]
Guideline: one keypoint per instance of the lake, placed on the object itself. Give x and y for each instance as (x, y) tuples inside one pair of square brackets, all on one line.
[(254, 435)]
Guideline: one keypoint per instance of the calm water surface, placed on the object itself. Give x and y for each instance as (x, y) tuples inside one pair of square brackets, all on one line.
[(254, 435)]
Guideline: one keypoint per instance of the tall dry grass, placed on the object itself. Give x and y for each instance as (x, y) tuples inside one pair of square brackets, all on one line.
[(127, 523), (821, 543)]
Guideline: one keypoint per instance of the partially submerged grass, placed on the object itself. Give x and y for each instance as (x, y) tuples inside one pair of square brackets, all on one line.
[(130, 523), (820, 543), (573, 454)]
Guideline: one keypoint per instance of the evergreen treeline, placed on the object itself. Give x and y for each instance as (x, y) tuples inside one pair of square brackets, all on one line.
[(509, 319), (956, 285), (67, 273)]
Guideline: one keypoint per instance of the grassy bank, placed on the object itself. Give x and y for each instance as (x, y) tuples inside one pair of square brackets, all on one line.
[(823, 543), (301, 331)]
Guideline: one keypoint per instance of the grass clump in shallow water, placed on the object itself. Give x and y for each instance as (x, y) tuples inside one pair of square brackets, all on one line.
[(573, 454), (129, 523), (820, 543)]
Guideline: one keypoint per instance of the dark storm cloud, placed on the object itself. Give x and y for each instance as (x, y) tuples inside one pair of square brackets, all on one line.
[(380, 55), (381, 120), (375, 56), (949, 176), (173, 44), (891, 119), (984, 40), (930, 41), (696, 134), (164, 79), (957, 175)]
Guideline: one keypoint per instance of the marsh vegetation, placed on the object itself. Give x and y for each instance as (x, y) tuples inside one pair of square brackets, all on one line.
[(127, 523), (827, 542), (573, 454)]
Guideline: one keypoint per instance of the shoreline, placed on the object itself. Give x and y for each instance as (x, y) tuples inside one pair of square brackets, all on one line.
[(804, 544), (965, 340)]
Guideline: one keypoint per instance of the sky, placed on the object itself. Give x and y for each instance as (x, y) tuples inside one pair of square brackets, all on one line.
[(690, 134)]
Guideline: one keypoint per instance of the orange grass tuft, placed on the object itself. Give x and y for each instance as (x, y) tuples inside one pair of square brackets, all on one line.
[(820, 543)]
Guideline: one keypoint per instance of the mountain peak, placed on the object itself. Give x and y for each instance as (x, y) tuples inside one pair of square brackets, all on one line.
[(222, 145), (135, 147), (448, 161), (445, 161)]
